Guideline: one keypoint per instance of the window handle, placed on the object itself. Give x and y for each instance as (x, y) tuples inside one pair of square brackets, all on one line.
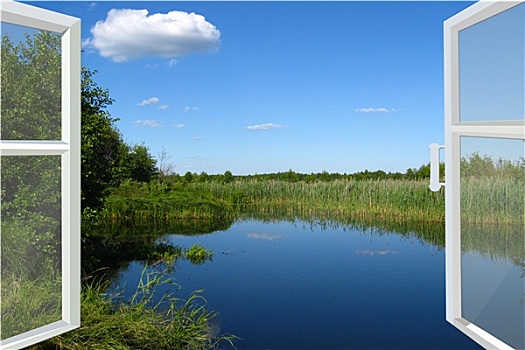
[(435, 185)]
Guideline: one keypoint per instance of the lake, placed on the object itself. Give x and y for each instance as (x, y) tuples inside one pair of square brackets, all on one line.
[(294, 285)]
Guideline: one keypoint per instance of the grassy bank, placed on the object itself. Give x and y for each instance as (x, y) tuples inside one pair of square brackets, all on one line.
[(141, 320), (156, 205)]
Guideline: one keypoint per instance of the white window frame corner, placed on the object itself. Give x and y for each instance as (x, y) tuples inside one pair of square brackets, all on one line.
[(69, 150)]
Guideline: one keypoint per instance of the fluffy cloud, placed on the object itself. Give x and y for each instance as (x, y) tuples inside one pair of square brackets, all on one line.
[(266, 126), (149, 101), (179, 126), (148, 122), (133, 34), (164, 107), (373, 110)]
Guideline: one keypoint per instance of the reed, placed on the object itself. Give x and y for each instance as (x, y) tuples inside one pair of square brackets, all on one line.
[(492, 200), (484, 200), (367, 200)]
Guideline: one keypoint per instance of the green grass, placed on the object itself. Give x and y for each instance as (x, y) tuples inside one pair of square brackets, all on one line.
[(143, 320), (30, 286), (29, 303)]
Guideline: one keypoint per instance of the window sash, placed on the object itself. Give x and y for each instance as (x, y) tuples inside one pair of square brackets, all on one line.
[(69, 149), (454, 129)]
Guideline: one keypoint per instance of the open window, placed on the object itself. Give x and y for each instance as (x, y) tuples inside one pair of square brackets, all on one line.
[(485, 173), (39, 174)]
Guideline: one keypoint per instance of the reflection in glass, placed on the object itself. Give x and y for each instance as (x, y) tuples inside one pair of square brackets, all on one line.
[(30, 243), (492, 204), (31, 84), (491, 68)]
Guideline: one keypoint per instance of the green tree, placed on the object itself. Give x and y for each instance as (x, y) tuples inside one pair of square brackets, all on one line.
[(204, 177), (188, 177), (290, 176), (228, 177), (102, 145), (31, 88), (138, 164)]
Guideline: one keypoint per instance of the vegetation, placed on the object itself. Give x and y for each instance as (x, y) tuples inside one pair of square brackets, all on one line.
[(140, 321), (128, 202), (151, 204), (492, 192), (421, 173), (106, 159), (339, 199), (30, 195)]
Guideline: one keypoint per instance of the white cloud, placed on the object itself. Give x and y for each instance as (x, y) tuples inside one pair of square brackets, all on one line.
[(188, 108), (149, 101), (128, 34), (147, 122), (164, 107), (179, 126), (197, 137), (266, 126), (373, 110)]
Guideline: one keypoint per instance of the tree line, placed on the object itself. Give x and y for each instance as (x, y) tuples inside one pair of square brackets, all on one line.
[(420, 173)]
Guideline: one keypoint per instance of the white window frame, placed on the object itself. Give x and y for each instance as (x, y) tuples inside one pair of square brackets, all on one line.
[(69, 150), (454, 129)]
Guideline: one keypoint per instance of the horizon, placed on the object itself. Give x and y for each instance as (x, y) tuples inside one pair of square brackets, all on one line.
[(265, 87)]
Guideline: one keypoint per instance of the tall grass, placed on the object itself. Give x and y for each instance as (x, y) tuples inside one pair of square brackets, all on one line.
[(29, 303), (387, 200), (492, 200), (484, 200)]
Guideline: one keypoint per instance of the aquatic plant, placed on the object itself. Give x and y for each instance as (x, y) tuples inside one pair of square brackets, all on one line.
[(143, 320)]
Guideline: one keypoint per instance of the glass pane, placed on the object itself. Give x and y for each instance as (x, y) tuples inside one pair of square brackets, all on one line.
[(30, 243), (491, 68), (493, 236), (30, 83)]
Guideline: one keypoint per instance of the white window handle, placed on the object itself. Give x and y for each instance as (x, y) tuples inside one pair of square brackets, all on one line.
[(435, 185)]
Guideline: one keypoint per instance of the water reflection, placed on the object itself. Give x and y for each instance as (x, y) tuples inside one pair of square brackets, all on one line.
[(374, 252), (492, 203), (265, 236), (492, 280)]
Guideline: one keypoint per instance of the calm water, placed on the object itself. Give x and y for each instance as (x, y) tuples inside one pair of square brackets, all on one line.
[(293, 286)]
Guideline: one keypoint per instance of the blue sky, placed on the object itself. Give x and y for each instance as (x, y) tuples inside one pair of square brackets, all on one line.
[(258, 87)]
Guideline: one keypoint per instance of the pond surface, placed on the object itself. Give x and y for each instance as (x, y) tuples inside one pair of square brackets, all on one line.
[(284, 285)]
